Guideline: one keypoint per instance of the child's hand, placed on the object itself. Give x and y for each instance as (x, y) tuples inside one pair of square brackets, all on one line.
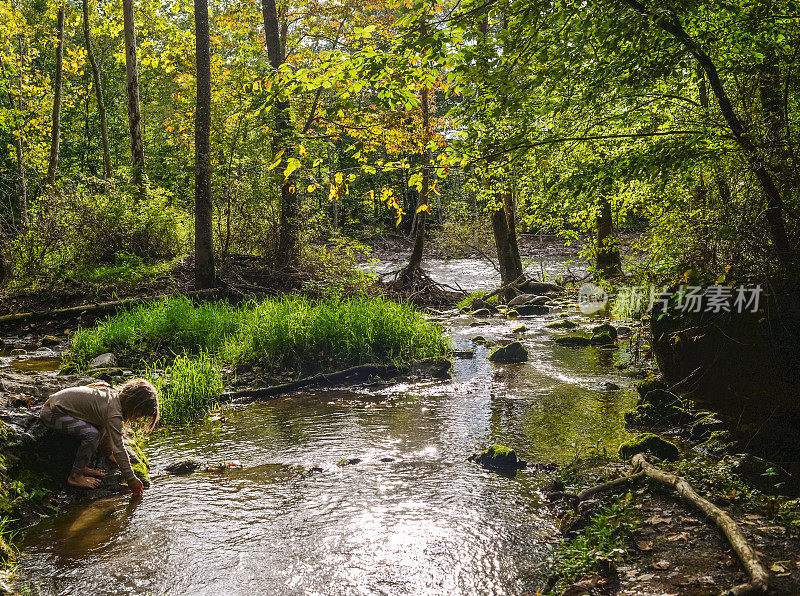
[(136, 486)]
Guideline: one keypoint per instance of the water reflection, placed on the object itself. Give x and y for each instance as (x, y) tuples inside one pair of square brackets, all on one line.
[(413, 516)]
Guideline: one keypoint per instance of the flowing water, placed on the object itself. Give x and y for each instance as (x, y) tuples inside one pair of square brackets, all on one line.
[(412, 517)]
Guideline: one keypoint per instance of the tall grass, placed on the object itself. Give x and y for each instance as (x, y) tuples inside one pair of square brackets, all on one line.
[(186, 387), (295, 333)]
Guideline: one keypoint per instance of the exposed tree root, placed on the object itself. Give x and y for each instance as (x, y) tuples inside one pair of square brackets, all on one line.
[(611, 485), (350, 375), (756, 570), (416, 286)]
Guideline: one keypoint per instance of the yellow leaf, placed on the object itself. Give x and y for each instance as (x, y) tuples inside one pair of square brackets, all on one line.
[(339, 178), (426, 208), (302, 151), (372, 195), (274, 164), (317, 162), (311, 187)]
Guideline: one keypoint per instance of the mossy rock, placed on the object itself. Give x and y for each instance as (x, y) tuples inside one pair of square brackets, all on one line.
[(48, 341), (18, 352), (513, 353), (499, 458), (649, 443), (482, 312), (650, 384), (652, 415), (660, 397), (532, 309), (605, 328), (479, 323), (573, 341), (512, 314), (479, 339), (624, 331), (603, 339), (704, 427), (481, 304), (437, 368), (519, 329), (562, 325)]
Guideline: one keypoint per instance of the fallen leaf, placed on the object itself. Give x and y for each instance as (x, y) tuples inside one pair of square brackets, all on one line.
[(646, 577), (662, 565), (689, 520), (644, 545), (676, 537), (778, 568)]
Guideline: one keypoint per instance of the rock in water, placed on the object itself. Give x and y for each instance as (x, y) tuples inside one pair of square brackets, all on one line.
[(500, 459), (539, 288), (532, 309), (107, 360), (603, 339), (482, 312), (606, 328), (512, 353), (184, 466), (562, 325), (481, 304), (48, 341), (573, 341), (525, 299), (649, 443), (519, 329)]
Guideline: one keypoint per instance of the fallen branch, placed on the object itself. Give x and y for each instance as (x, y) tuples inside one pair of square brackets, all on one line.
[(96, 308), (610, 486), (354, 374), (758, 573)]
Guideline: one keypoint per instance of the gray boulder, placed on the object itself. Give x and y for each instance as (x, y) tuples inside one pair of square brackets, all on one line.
[(528, 299), (107, 360)]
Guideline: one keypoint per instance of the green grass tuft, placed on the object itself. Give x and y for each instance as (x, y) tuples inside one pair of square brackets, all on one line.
[(186, 387)]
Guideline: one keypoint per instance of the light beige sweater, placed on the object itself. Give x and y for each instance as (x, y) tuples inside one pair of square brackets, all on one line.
[(98, 405)]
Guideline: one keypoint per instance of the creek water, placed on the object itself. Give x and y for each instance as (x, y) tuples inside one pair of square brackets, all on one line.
[(412, 517)]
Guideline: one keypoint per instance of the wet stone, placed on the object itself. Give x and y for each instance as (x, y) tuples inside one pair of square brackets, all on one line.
[(514, 352)]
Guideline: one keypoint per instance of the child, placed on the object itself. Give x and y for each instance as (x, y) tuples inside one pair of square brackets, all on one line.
[(96, 412)]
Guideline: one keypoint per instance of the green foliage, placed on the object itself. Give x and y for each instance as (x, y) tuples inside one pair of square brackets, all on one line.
[(334, 267), (185, 387), (95, 236), (604, 536)]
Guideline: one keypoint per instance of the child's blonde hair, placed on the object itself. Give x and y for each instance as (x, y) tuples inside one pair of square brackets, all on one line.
[(139, 398)]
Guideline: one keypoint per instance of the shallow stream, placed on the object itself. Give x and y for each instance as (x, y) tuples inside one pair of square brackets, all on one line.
[(412, 517)]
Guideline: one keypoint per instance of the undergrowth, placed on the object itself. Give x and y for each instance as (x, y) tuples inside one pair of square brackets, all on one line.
[(190, 343)]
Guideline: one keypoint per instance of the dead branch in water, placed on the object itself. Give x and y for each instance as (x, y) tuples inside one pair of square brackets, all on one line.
[(352, 375)]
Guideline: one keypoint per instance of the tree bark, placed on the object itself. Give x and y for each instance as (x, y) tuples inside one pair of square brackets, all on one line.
[(108, 171), (134, 112), (203, 219), (288, 252), (608, 261), (18, 140), (784, 252), (55, 136)]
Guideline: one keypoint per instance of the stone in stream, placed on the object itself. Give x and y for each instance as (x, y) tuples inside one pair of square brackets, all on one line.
[(107, 360), (479, 339), (573, 341), (604, 339), (479, 323), (513, 353), (624, 331), (647, 385), (464, 354), (519, 329), (512, 313), (528, 299), (184, 466), (349, 461), (649, 443), (482, 312), (605, 328), (539, 288), (481, 304), (532, 309), (500, 459), (562, 325), (48, 341), (703, 428), (18, 352)]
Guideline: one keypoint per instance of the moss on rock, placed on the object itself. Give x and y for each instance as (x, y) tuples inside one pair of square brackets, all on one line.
[(513, 353), (649, 443), (499, 458), (573, 341), (562, 325)]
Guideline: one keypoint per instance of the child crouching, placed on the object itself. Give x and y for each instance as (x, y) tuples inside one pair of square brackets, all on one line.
[(96, 412)]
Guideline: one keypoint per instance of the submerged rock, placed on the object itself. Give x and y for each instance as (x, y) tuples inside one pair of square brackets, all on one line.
[(562, 325), (649, 443), (513, 353), (573, 341), (107, 360), (500, 459), (519, 329)]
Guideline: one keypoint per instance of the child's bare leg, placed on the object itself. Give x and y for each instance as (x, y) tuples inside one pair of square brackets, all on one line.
[(82, 475), (105, 445)]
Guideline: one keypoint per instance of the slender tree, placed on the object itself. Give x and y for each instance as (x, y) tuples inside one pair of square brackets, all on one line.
[(108, 171), (203, 220), (134, 113), (288, 234), (55, 136)]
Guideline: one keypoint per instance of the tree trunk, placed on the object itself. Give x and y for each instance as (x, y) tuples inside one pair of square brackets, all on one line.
[(608, 261), (16, 106), (203, 218), (134, 113), (515, 260), (108, 172), (288, 252), (784, 252), (55, 136), (415, 261)]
